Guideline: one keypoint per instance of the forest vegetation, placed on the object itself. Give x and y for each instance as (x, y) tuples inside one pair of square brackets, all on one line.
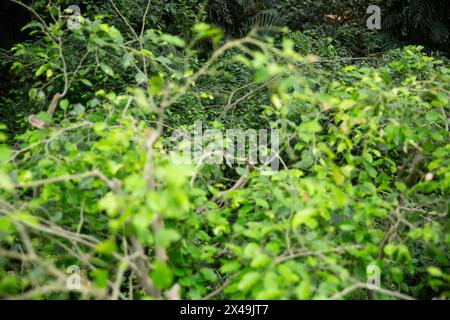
[(96, 201)]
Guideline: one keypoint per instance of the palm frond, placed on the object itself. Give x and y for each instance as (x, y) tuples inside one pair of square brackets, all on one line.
[(420, 12)]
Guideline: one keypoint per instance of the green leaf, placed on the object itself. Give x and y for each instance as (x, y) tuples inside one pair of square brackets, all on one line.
[(209, 274), (107, 69), (338, 177), (5, 152), (305, 216), (140, 77), (156, 85), (347, 226), (101, 277), (390, 249), (434, 271), (161, 275), (115, 35), (106, 247), (248, 281), (41, 70), (176, 41), (230, 267), (6, 226), (312, 126), (110, 202), (5, 180), (165, 237), (44, 116), (32, 94), (243, 172), (86, 82), (64, 104)]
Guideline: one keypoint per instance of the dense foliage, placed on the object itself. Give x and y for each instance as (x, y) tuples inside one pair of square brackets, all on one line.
[(89, 177)]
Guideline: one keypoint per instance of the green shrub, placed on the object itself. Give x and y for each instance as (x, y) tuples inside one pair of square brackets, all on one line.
[(363, 181)]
